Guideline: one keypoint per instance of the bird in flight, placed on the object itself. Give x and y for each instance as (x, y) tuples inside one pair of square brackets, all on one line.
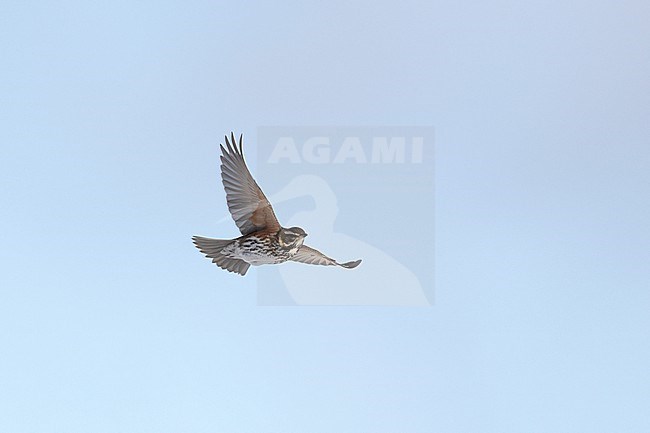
[(263, 240)]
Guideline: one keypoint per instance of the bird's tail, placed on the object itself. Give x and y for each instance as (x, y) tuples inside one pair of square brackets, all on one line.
[(212, 248)]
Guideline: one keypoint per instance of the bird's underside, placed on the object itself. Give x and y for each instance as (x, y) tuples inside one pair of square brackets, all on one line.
[(263, 240)]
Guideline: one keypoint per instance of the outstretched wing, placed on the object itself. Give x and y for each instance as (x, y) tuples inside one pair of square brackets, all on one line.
[(311, 256), (247, 203)]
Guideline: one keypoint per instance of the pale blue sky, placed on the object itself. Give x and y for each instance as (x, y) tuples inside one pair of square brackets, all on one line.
[(111, 114)]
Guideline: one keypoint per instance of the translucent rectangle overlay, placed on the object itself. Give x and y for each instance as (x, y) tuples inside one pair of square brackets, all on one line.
[(360, 193)]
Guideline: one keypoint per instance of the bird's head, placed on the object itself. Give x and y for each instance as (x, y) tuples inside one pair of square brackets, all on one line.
[(291, 237)]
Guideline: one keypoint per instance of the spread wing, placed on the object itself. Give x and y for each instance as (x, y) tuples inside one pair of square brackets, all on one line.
[(311, 256), (247, 203)]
